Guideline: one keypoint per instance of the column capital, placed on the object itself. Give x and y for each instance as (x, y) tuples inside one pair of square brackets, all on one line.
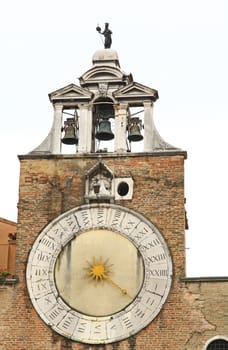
[(58, 106), (122, 105), (147, 104), (85, 106)]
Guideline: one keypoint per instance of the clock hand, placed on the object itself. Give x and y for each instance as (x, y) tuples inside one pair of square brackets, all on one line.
[(123, 291)]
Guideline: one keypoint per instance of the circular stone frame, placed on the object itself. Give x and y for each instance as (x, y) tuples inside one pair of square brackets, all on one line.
[(105, 329)]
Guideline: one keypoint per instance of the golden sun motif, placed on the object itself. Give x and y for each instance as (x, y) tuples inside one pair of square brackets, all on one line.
[(99, 270)]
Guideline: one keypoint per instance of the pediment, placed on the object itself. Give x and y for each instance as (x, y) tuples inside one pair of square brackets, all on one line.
[(101, 73), (136, 90), (70, 92), (99, 168)]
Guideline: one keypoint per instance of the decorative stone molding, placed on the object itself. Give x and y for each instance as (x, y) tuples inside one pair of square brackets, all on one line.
[(99, 184)]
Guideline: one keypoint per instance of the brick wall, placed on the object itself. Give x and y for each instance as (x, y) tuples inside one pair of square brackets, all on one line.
[(7, 245), (55, 184)]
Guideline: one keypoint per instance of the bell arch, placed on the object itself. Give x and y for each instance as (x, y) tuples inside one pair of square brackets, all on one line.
[(103, 115)]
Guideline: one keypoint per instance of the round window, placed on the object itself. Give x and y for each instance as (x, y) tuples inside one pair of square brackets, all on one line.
[(123, 189)]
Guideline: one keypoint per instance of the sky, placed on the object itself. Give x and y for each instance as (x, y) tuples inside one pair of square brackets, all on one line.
[(178, 47)]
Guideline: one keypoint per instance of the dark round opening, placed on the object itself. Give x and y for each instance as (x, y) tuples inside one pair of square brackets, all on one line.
[(123, 188)]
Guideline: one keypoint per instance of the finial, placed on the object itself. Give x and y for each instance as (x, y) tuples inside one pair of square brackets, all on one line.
[(107, 35)]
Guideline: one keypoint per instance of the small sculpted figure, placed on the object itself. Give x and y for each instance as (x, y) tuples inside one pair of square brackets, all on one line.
[(107, 35)]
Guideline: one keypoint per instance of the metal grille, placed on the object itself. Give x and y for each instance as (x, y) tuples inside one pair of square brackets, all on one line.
[(220, 344)]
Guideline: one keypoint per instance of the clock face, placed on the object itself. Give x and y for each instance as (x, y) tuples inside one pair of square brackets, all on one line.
[(99, 273)]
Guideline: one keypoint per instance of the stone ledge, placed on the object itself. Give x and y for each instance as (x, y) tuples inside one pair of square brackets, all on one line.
[(205, 279), (9, 281)]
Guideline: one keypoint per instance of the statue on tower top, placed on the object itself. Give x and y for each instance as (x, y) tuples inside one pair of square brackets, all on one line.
[(107, 35)]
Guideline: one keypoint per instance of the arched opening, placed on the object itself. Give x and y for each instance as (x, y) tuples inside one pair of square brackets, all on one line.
[(103, 125)]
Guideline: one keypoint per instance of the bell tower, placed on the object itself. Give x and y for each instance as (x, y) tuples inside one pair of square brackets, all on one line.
[(101, 220), (105, 107)]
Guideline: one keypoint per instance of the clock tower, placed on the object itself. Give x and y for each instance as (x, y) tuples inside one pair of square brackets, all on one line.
[(101, 248)]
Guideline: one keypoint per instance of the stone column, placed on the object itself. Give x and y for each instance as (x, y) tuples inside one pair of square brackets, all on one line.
[(55, 146), (120, 144), (85, 129), (148, 126)]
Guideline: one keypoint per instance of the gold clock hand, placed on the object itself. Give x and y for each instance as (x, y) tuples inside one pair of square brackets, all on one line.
[(123, 291)]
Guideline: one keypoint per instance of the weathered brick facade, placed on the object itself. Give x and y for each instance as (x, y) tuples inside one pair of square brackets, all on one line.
[(196, 309)]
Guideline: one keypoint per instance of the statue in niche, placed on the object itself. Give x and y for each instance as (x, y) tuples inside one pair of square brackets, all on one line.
[(107, 35), (100, 184)]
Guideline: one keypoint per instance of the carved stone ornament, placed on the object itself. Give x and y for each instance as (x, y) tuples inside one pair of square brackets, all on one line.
[(103, 88), (99, 183)]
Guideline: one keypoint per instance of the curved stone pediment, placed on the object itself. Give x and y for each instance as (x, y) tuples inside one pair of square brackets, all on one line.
[(97, 74)]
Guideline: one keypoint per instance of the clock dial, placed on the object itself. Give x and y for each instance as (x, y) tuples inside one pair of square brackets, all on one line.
[(99, 273)]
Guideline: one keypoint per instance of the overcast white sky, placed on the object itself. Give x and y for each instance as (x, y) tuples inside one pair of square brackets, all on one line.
[(178, 47)]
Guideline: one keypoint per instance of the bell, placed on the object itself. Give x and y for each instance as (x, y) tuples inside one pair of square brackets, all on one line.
[(70, 137), (134, 133), (104, 131)]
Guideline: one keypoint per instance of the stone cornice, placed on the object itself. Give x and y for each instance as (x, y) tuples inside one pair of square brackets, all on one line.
[(204, 279), (103, 155)]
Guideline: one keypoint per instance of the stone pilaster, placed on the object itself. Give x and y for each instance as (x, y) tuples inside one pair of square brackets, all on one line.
[(120, 144), (148, 126), (85, 129), (55, 146)]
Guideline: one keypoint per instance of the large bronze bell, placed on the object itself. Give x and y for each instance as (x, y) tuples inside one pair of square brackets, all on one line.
[(104, 131), (134, 132), (70, 137)]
